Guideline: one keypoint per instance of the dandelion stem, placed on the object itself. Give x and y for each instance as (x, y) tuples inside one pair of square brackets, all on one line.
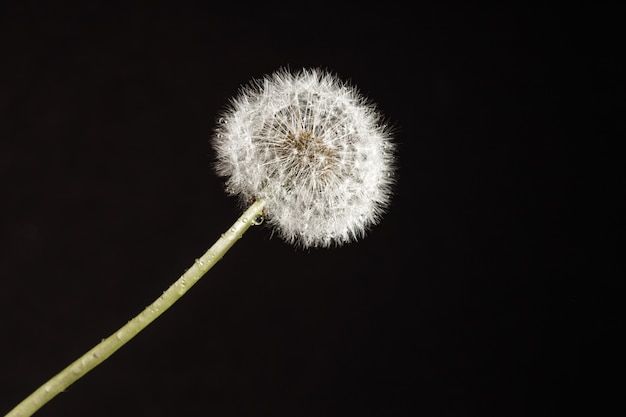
[(110, 345)]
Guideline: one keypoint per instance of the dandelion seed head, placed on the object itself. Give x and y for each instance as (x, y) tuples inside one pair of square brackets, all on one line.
[(314, 149)]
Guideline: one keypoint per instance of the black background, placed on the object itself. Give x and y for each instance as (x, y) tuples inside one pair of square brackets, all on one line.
[(466, 300)]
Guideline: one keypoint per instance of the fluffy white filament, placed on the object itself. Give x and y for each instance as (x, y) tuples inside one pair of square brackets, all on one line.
[(314, 149)]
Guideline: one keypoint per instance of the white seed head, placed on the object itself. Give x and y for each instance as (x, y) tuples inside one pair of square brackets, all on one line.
[(314, 149)]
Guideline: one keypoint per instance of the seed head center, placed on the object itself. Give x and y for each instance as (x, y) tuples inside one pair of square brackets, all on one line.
[(310, 153)]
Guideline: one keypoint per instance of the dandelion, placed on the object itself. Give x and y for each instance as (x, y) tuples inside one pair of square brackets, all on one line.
[(314, 149), (304, 150)]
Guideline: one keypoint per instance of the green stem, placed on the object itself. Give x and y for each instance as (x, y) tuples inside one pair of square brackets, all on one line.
[(110, 345)]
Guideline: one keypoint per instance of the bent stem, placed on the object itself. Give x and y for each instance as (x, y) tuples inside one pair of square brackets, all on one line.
[(110, 345)]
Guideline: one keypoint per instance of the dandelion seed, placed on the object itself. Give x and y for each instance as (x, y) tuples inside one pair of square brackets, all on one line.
[(314, 149)]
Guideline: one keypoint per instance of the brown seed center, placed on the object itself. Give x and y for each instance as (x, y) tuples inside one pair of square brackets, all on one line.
[(310, 153)]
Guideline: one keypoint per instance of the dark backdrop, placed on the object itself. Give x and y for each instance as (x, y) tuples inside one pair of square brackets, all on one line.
[(465, 300)]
